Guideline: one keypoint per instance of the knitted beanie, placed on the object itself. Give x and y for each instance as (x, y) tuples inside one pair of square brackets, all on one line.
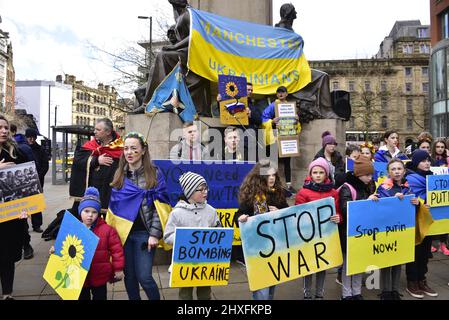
[(189, 182), (91, 199), (319, 162), (328, 139), (363, 166), (418, 156)]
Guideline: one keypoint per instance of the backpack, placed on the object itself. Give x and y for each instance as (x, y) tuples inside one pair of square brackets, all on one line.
[(351, 188), (53, 228)]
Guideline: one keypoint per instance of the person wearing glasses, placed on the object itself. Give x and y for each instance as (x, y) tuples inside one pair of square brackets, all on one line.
[(192, 211)]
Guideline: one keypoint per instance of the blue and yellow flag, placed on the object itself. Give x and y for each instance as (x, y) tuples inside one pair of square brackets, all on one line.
[(173, 87), (125, 203), (267, 56), (67, 268)]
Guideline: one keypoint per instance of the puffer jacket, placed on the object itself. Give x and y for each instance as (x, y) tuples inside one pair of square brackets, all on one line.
[(148, 214), (108, 258), (316, 191), (363, 192), (195, 215)]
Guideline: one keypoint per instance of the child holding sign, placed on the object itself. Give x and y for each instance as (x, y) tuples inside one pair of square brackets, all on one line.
[(192, 210), (358, 186), (318, 186), (416, 271), (394, 186), (109, 259), (261, 193)]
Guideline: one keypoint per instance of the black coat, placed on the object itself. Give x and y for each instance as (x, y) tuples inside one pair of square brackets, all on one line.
[(363, 192), (100, 176), (41, 160), (337, 161), (12, 231)]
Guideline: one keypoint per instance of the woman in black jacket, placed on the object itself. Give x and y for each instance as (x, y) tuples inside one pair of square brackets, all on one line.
[(11, 232)]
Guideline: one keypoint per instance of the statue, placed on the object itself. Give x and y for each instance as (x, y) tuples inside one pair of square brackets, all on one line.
[(167, 59), (314, 100), (171, 34), (288, 14)]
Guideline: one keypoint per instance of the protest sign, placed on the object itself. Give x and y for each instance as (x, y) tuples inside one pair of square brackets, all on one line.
[(440, 214), (290, 243), (20, 189), (201, 257), (287, 126), (437, 190), (68, 266), (223, 179), (380, 233)]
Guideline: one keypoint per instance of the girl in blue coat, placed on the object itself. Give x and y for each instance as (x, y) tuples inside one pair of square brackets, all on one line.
[(394, 186)]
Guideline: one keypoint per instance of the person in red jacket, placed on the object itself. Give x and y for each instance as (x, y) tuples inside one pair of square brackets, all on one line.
[(318, 186), (109, 259)]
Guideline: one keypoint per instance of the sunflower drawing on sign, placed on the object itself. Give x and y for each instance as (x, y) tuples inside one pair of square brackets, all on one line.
[(231, 87), (67, 268)]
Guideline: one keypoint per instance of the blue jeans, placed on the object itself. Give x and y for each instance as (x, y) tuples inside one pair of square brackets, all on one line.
[(139, 267), (264, 294)]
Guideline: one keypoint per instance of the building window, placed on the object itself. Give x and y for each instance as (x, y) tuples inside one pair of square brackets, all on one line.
[(409, 124), (425, 71), (409, 105), (408, 87), (425, 87), (407, 48), (78, 95), (383, 86), (424, 48), (408, 71), (335, 85), (423, 33), (367, 86), (384, 104), (351, 86), (445, 25), (384, 122)]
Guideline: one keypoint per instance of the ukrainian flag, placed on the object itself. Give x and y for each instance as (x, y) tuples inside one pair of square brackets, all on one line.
[(125, 203), (267, 56), (173, 86)]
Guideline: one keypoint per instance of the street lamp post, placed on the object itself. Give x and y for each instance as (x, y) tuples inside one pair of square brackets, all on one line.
[(150, 51)]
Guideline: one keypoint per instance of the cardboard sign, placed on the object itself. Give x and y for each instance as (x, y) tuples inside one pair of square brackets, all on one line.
[(20, 189), (232, 87), (201, 257), (380, 233), (67, 268), (290, 243)]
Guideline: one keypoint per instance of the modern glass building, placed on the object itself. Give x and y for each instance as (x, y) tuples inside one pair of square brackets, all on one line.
[(439, 97)]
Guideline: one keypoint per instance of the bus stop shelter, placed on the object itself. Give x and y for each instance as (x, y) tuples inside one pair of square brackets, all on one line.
[(83, 133)]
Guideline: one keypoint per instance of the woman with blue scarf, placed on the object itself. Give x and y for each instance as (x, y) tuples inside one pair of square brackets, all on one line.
[(138, 188), (416, 271)]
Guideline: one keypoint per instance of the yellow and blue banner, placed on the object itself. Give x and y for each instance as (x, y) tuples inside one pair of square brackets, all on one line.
[(380, 234), (173, 86), (438, 190), (201, 257), (380, 170), (68, 266), (267, 56), (290, 243), (437, 186), (223, 179)]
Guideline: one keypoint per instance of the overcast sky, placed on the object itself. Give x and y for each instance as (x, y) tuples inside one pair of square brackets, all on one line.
[(51, 37)]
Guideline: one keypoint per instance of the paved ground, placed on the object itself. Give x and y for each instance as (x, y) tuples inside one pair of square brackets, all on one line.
[(29, 283)]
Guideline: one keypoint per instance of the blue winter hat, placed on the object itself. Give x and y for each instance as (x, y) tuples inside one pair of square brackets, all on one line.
[(90, 200), (418, 156)]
